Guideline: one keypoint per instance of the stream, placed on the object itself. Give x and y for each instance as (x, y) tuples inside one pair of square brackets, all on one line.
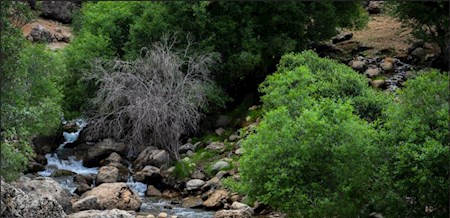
[(65, 159)]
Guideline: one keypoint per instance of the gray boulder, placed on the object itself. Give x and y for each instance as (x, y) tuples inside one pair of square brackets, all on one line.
[(114, 213), (88, 203), (46, 186), (151, 156), (102, 150), (219, 165), (17, 203), (115, 195), (107, 174), (40, 34), (194, 184), (149, 175), (59, 10)]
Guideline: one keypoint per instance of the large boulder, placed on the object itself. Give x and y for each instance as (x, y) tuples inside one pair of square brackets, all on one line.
[(46, 186), (232, 214), (115, 195), (216, 199), (102, 150), (219, 165), (149, 175), (40, 34), (114, 213), (46, 144), (192, 202), (17, 203), (194, 184), (151, 156), (107, 174), (88, 203), (59, 10), (241, 206)]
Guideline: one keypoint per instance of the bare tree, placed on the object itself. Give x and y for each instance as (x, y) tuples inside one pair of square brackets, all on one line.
[(152, 100)]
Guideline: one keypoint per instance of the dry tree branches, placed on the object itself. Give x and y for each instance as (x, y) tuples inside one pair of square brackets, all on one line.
[(152, 100)]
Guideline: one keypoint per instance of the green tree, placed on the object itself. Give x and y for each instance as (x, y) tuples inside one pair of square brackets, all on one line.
[(416, 138), (31, 90)]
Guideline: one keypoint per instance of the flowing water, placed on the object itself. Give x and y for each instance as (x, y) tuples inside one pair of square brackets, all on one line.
[(64, 159)]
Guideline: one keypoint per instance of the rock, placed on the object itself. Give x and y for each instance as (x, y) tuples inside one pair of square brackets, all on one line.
[(192, 202), (219, 131), (372, 72), (198, 174), (233, 138), (215, 200), (358, 65), (88, 203), (151, 156), (342, 37), (149, 175), (115, 195), (34, 166), (222, 121), (380, 83), (84, 179), (219, 165), (213, 182), (46, 144), (374, 7), (46, 186), (150, 216), (107, 174), (232, 214), (194, 184), (40, 34), (153, 192), (170, 170), (234, 197), (59, 10), (114, 213), (241, 206), (162, 215), (216, 146), (222, 174), (82, 188), (190, 153), (18, 203), (239, 151), (418, 52), (387, 64), (59, 173), (102, 150), (113, 159), (185, 148)]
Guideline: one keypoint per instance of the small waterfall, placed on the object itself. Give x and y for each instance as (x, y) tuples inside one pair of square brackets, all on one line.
[(139, 187), (71, 164)]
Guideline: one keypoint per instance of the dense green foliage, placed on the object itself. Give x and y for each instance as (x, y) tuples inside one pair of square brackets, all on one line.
[(312, 156), (416, 138), (250, 36), (31, 92)]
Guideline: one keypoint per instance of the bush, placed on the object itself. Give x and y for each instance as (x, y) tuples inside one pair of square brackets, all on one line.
[(303, 78), (316, 164), (152, 100), (416, 138)]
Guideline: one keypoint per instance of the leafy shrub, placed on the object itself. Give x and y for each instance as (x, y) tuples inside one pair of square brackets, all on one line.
[(416, 136), (303, 78), (316, 164)]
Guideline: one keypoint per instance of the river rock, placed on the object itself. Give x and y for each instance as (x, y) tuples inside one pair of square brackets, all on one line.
[(84, 179), (61, 172), (358, 65), (102, 150), (192, 202), (115, 195), (114, 159), (82, 188), (198, 174), (241, 206), (151, 156), (342, 37), (185, 148), (46, 186), (149, 175), (40, 34), (233, 138), (194, 184), (216, 199), (387, 64), (153, 192), (59, 10), (372, 72), (232, 213), (88, 203), (18, 203), (239, 151), (114, 213), (107, 174), (219, 165), (216, 146), (162, 215), (46, 144), (380, 83)]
